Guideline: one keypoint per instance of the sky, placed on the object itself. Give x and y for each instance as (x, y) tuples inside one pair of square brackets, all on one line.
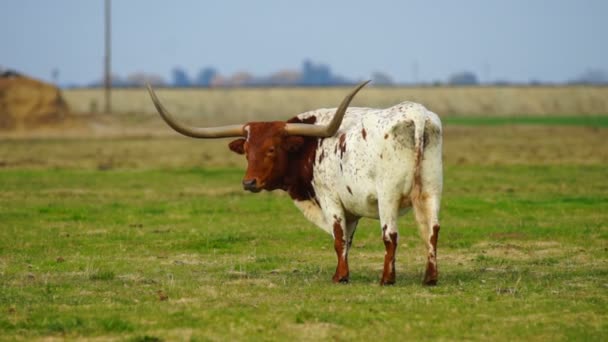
[(426, 41)]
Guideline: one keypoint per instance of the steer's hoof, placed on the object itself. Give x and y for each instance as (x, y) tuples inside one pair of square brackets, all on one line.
[(428, 281), (388, 278), (430, 277), (387, 281), (339, 279)]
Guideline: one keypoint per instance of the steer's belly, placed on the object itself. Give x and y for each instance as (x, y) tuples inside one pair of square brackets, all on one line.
[(361, 205)]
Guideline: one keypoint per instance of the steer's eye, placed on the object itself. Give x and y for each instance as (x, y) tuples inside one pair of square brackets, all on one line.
[(270, 151)]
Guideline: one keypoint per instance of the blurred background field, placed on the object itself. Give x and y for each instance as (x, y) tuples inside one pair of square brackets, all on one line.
[(547, 125), (212, 106), (119, 143)]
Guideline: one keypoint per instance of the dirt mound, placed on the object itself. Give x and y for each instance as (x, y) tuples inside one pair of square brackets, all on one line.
[(26, 103)]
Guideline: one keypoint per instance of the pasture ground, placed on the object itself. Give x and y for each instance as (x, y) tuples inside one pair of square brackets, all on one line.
[(149, 237)]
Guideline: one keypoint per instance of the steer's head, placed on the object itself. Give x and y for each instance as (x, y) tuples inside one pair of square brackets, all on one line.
[(266, 145)]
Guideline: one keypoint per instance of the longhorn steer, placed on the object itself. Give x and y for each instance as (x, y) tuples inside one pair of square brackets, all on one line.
[(338, 168)]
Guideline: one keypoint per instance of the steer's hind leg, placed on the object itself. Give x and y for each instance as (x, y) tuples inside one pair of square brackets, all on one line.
[(390, 235), (426, 209)]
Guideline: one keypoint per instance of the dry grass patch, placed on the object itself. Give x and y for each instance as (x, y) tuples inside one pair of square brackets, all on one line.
[(221, 106), (463, 145)]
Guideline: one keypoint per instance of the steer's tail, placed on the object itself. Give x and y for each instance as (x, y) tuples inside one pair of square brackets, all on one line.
[(419, 123)]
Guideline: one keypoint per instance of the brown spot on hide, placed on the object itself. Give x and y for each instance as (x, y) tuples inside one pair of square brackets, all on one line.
[(321, 156), (431, 275), (386, 136), (364, 133), (390, 244), (341, 275), (342, 144), (349, 190)]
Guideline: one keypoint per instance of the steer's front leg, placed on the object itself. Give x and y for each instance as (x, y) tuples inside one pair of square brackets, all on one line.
[(343, 239), (341, 247)]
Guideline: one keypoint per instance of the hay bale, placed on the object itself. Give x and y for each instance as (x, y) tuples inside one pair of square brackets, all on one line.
[(26, 103)]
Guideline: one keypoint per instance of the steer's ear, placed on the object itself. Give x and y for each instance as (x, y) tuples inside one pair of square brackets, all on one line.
[(237, 146), (293, 143)]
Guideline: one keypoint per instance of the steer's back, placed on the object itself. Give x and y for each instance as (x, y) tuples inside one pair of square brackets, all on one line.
[(373, 156)]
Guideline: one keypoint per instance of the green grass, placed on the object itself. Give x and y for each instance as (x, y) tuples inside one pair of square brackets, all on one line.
[(184, 254), (590, 121)]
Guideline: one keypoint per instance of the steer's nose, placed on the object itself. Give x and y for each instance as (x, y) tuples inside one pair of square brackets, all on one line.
[(250, 184)]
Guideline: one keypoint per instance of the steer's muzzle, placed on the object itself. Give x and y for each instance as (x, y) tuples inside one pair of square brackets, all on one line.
[(251, 185)]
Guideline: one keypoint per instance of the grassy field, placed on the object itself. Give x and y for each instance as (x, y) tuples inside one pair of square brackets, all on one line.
[(148, 237)]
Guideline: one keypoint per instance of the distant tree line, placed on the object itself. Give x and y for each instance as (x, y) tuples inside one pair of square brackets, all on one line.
[(317, 74), (310, 74), (592, 77)]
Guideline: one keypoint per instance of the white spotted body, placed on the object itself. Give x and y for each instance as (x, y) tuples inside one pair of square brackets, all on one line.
[(377, 166)]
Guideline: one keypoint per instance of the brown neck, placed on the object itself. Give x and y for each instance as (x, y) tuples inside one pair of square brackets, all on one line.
[(298, 178), (299, 175)]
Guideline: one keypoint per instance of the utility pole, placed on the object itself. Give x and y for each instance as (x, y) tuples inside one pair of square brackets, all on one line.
[(107, 60)]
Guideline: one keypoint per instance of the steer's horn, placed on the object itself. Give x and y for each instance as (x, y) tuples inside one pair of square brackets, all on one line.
[(195, 132), (325, 130)]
